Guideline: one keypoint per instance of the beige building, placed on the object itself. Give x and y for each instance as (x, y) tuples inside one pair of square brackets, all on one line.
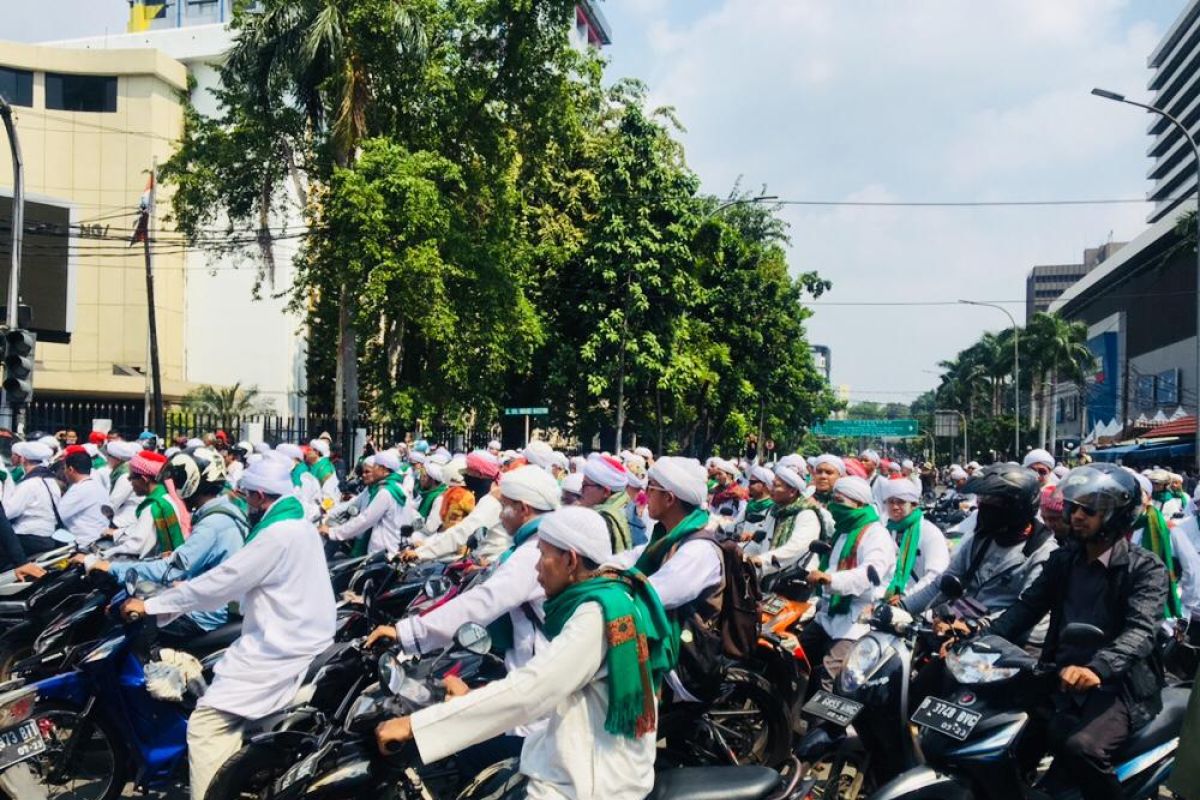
[(90, 123)]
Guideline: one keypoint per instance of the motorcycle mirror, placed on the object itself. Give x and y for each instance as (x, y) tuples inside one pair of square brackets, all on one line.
[(477, 536), (774, 561), (63, 536), (873, 575), (760, 536), (352, 511), (474, 638), (820, 548), (131, 583), (108, 513), (951, 586), (368, 596), (1080, 634), (433, 588)]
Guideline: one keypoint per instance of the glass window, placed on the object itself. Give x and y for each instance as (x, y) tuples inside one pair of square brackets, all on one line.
[(17, 86), (81, 92)]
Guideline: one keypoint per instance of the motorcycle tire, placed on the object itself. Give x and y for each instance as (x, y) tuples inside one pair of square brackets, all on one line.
[(102, 751), (251, 772), (847, 775), (13, 652)]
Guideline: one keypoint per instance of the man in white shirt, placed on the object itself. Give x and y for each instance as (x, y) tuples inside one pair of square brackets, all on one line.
[(288, 608), (389, 515), (606, 631), (922, 552), (122, 499), (793, 523), (32, 507), (81, 506), (482, 470)]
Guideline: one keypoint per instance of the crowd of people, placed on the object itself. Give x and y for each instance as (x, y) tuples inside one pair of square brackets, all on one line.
[(602, 563)]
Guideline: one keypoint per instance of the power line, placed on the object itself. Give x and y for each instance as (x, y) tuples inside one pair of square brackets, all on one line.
[(966, 203)]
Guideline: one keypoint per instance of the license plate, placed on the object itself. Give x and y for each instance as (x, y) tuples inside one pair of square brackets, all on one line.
[(830, 707), (947, 718), (773, 605), (20, 743)]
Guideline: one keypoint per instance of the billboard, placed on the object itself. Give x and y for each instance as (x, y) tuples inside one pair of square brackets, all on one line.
[(897, 428), (1102, 386), (48, 255)]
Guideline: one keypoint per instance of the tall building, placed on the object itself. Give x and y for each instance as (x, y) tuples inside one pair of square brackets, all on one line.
[(823, 360), (591, 28), (1176, 87), (1047, 282)]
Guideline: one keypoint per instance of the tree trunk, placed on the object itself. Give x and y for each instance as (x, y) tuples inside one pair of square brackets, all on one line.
[(1043, 407), (1053, 413), (760, 451), (658, 412), (346, 383)]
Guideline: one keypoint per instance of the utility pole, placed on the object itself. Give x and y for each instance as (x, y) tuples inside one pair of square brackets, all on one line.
[(145, 230), (7, 419)]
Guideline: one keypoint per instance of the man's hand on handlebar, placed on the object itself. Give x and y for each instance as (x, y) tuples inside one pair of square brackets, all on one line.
[(391, 734), (132, 609), (1078, 679), (28, 572), (382, 632)]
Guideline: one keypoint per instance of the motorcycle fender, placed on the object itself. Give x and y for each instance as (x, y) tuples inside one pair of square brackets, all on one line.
[(922, 783), (68, 686), (23, 632), (351, 773)]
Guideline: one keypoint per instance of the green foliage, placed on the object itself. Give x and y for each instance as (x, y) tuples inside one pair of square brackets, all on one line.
[(227, 402)]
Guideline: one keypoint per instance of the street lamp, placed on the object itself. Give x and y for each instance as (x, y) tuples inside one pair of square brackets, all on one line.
[(1179, 126), (762, 198), (1016, 374)]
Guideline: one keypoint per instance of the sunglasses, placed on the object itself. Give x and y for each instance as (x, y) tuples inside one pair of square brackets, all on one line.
[(1070, 508)]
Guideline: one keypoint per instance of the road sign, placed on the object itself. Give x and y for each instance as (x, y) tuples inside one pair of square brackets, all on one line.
[(897, 428), (945, 423), (540, 411)]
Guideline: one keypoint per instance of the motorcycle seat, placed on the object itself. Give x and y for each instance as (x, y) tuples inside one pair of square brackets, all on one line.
[(715, 783), (1163, 728), (216, 639)]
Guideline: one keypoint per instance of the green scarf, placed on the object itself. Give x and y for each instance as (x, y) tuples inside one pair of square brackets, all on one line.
[(785, 520), (17, 474), (910, 543), (501, 628), (1163, 496), (757, 510), (427, 500), (166, 523), (322, 469), (824, 498), (848, 522), (99, 462), (662, 542), (394, 484), (642, 644), (297, 471), (1157, 539), (121, 469), (613, 512), (284, 508), (236, 498)]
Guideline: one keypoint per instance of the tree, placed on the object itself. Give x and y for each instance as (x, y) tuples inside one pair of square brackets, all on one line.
[(227, 403), (1059, 350)]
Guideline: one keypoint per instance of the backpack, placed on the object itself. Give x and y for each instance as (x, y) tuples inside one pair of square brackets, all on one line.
[(721, 626)]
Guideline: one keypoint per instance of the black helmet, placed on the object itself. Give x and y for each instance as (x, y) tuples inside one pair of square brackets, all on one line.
[(1009, 481), (1108, 490)]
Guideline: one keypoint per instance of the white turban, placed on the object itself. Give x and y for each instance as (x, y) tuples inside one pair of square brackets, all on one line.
[(794, 462), (831, 460), (50, 442), (194, 442), (532, 486), (434, 471), (573, 483), (34, 451), (120, 450), (270, 476), (369, 461), (791, 478), (644, 452), (1159, 475), (290, 450), (685, 478), (579, 530), (957, 473), (561, 461), (417, 457), (855, 489), (262, 448), (1061, 471), (321, 446), (904, 490), (577, 463), (869, 455), (388, 459), (973, 465), (1038, 456), (440, 456), (539, 454), (762, 475), (723, 465), (907, 463), (493, 445), (606, 471), (91, 449)]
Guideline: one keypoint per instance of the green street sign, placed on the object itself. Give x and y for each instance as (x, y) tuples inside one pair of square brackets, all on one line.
[(540, 411), (893, 428)]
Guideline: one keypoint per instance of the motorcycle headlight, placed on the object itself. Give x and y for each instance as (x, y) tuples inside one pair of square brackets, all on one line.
[(970, 666), (861, 662)]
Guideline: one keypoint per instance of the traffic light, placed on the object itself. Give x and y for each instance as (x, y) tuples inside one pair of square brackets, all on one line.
[(18, 366)]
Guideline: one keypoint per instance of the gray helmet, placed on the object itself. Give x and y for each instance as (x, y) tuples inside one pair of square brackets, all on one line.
[(1108, 490)]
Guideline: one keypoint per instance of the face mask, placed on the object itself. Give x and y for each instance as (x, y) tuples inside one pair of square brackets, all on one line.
[(477, 486), (1005, 523)]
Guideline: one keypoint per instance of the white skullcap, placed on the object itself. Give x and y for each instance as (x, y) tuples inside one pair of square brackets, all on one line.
[(974, 465), (434, 471), (606, 471), (831, 460), (685, 478), (194, 442), (726, 466), (907, 463), (579, 530), (1061, 471), (893, 466), (957, 473), (644, 452), (855, 489), (791, 478), (1175, 476), (1158, 475), (762, 475), (369, 461), (539, 454), (171, 452), (869, 455), (321, 446), (532, 486), (50, 442), (493, 445), (417, 457), (795, 462), (262, 448), (578, 462), (269, 476), (120, 450), (561, 461), (91, 449), (1038, 456), (290, 450), (388, 459), (573, 483), (904, 490), (441, 456), (249, 448), (34, 451)]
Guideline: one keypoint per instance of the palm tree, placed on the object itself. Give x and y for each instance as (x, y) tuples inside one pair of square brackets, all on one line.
[(226, 403), (1058, 349)]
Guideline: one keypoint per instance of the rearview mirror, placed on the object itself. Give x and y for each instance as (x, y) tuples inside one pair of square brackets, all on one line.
[(1080, 634), (820, 548), (131, 583), (474, 638), (951, 586)]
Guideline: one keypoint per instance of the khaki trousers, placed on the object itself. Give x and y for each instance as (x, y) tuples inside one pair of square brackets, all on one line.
[(212, 737)]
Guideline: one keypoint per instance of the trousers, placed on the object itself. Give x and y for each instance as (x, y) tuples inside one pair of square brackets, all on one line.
[(1084, 736), (212, 737)]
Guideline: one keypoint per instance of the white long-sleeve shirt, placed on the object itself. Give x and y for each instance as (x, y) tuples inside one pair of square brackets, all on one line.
[(30, 508), (124, 502), (138, 539), (933, 556), (384, 517), (806, 531), (1189, 567), (875, 548), (80, 510), (449, 542), (573, 757), (282, 584)]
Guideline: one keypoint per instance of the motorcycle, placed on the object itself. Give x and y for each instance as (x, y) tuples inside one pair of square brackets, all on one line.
[(973, 739)]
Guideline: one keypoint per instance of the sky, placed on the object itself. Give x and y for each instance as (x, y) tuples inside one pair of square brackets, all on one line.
[(885, 100)]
